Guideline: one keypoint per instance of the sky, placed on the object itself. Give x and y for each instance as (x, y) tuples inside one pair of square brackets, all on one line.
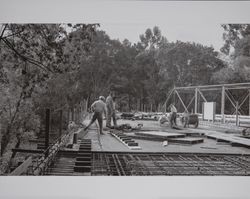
[(192, 21), (177, 21), (198, 22)]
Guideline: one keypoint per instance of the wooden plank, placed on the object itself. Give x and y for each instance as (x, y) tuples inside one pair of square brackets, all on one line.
[(140, 137), (160, 134), (230, 138), (130, 144), (22, 168), (186, 140), (191, 133)]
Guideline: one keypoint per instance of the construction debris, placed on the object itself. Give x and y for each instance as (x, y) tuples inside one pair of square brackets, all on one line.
[(127, 127), (140, 116), (165, 143)]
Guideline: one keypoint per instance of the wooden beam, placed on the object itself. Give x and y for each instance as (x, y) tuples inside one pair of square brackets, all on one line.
[(196, 100), (168, 97), (202, 95), (181, 100), (190, 102), (217, 85), (244, 100), (230, 100)]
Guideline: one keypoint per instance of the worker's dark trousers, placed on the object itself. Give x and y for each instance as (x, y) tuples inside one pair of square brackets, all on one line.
[(173, 118), (110, 114), (97, 116)]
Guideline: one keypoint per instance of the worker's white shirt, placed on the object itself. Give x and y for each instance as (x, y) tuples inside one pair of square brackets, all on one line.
[(99, 106), (173, 109), (110, 104)]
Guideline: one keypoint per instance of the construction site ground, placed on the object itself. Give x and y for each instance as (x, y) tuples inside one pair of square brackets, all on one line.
[(154, 149), (107, 142)]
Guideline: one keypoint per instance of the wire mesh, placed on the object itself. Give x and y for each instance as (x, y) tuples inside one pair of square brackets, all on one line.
[(129, 164)]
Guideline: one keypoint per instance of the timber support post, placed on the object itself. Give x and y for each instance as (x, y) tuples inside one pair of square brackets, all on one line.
[(196, 101), (249, 102), (237, 113)]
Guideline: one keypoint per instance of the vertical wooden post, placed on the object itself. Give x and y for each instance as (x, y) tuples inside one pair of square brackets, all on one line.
[(47, 129), (237, 113), (61, 123), (223, 104), (198, 103), (196, 100), (249, 102)]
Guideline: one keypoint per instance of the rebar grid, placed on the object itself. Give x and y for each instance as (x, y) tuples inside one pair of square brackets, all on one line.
[(129, 164)]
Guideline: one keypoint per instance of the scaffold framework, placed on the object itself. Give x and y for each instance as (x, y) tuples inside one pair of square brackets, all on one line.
[(224, 90)]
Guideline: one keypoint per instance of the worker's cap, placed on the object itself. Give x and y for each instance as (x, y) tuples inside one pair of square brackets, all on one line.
[(102, 98)]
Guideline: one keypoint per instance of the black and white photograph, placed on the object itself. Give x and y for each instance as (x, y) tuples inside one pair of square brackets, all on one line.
[(133, 88)]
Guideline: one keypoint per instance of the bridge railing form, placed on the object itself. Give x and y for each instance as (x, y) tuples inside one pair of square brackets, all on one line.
[(37, 167), (40, 166)]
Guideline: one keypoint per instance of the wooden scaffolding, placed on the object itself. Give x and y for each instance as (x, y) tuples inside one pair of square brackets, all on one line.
[(224, 90)]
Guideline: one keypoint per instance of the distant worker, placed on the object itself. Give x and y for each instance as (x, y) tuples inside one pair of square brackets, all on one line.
[(185, 118), (110, 110), (163, 119), (99, 108), (173, 111)]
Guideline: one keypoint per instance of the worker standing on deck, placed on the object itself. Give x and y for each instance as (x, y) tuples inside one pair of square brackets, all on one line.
[(173, 111), (99, 108), (110, 110)]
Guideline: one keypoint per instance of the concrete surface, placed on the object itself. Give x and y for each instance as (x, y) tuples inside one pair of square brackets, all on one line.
[(107, 142)]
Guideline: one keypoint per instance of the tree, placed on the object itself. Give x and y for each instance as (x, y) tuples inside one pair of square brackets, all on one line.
[(32, 56), (186, 64), (237, 47)]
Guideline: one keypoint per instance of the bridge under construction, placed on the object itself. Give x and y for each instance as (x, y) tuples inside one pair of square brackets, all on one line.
[(216, 147), (188, 152)]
